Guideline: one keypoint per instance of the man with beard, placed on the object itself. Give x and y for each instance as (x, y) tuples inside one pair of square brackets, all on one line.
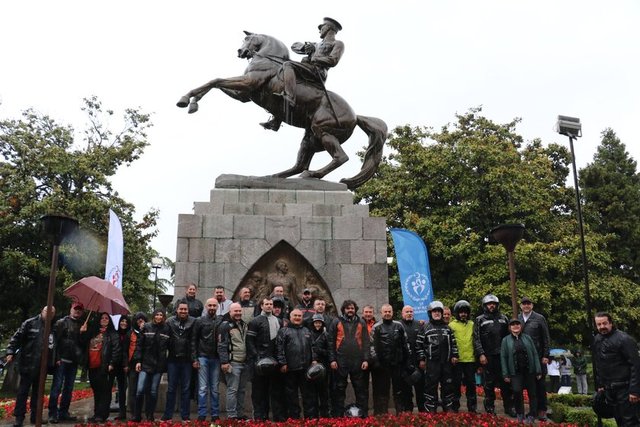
[(71, 342), (438, 353), (268, 387), (223, 302), (348, 357), (464, 372), (489, 329), (389, 358), (412, 328), (249, 307), (617, 370), (205, 352), (180, 362), (306, 304), (535, 325), (27, 342), (293, 345)]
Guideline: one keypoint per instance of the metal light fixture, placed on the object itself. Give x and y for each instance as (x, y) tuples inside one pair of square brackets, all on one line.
[(508, 235), (156, 263), (165, 300), (56, 228), (571, 127)]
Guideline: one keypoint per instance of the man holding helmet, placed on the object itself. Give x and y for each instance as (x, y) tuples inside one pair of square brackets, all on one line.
[(320, 355), (465, 370), (266, 387), (413, 328), (489, 329), (437, 353)]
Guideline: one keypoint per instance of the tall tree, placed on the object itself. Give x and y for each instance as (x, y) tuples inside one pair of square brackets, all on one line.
[(611, 191), (49, 168), (452, 186)]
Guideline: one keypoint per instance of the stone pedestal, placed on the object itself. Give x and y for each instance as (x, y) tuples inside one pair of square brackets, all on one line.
[(325, 237)]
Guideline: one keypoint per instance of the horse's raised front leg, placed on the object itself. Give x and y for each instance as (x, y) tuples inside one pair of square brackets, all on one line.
[(238, 84)]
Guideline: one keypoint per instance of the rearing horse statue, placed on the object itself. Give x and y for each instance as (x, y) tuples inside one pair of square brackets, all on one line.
[(325, 116)]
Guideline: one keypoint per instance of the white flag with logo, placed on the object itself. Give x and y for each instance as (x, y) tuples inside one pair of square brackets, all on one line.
[(115, 250)]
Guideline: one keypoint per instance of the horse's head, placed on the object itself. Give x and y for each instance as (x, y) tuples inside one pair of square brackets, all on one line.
[(250, 45), (264, 44)]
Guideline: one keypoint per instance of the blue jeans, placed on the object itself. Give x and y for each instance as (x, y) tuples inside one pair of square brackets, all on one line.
[(148, 384), (63, 381), (178, 373), (208, 382), (236, 382)]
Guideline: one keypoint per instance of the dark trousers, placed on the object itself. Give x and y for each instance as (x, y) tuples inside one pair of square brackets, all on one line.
[(360, 389), (296, 385), (268, 392), (131, 389), (101, 383), (178, 375), (541, 389), (464, 373), (383, 379), (320, 395), (408, 392), (438, 373), (122, 380), (625, 412), (64, 379), (492, 379), (27, 382), (519, 382), (555, 383)]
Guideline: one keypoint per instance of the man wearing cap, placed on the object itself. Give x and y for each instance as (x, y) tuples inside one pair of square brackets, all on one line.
[(314, 67), (70, 341), (306, 304), (535, 325)]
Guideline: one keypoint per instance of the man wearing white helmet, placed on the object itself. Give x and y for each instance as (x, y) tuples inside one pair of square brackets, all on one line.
[(489, 329), (437, 353)]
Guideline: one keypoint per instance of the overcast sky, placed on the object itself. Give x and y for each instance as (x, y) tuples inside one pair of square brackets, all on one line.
[(406, 62)]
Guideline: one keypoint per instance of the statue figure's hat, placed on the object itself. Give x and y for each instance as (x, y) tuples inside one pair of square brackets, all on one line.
[(335, 24)]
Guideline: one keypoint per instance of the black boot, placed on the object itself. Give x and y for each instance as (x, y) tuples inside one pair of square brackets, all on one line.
[(137, 409)]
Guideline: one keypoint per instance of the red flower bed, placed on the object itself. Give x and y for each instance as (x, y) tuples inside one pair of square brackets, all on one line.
[(463, 419), (8, 405)]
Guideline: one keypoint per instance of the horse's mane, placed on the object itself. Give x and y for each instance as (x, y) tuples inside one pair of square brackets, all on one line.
[(274, 47)]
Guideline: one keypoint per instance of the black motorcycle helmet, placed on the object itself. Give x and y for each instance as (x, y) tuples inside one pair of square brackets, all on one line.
[(316, 372), (353, 411), (461, 305), (266, 365)]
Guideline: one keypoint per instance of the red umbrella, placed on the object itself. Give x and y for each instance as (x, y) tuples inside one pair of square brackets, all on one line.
[(98, 295)]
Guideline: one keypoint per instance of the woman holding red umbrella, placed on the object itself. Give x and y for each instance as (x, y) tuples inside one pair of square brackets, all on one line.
[(105, 356)]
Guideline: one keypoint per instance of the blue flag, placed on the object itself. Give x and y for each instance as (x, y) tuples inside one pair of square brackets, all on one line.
[(413, 266)]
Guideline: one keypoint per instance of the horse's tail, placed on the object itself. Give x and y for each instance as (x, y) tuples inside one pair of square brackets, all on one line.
[(376, 129)]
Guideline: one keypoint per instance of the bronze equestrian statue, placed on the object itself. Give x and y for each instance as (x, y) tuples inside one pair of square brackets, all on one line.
[(326, 117)]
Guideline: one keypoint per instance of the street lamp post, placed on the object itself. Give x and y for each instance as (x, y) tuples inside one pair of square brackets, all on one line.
[(509, 235), (572, 128), (156, 263), (56, 228)]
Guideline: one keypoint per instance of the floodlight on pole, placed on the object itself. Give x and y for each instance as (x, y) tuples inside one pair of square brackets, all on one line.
[(156, 263), (508, 235), (571, 127), (55, 228)]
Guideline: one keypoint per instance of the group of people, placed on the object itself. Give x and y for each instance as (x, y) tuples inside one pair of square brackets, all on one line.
[(292, 354)]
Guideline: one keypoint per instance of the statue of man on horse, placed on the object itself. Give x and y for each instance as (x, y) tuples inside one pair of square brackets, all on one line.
[(294, 93)]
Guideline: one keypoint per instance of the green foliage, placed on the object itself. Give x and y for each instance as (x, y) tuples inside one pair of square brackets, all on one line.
[(573, 400), (454, 185), (45, 168)]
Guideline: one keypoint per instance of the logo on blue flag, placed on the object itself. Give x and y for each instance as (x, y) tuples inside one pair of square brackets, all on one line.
[(413, 266)]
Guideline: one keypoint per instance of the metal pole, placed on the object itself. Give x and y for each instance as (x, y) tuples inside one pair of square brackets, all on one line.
[(587, 292), (512, 278), (45, 338), (155, 288)]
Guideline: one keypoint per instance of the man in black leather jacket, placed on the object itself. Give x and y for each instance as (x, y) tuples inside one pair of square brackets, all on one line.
[(204, 345), (390, 355), (488, 330), (413, 328), (150, 357), (535, 325), (267, 389), (437, 352), (320, 354), (293, 345), (27, 343), (179, 362), (617, 370), (71, 343)]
